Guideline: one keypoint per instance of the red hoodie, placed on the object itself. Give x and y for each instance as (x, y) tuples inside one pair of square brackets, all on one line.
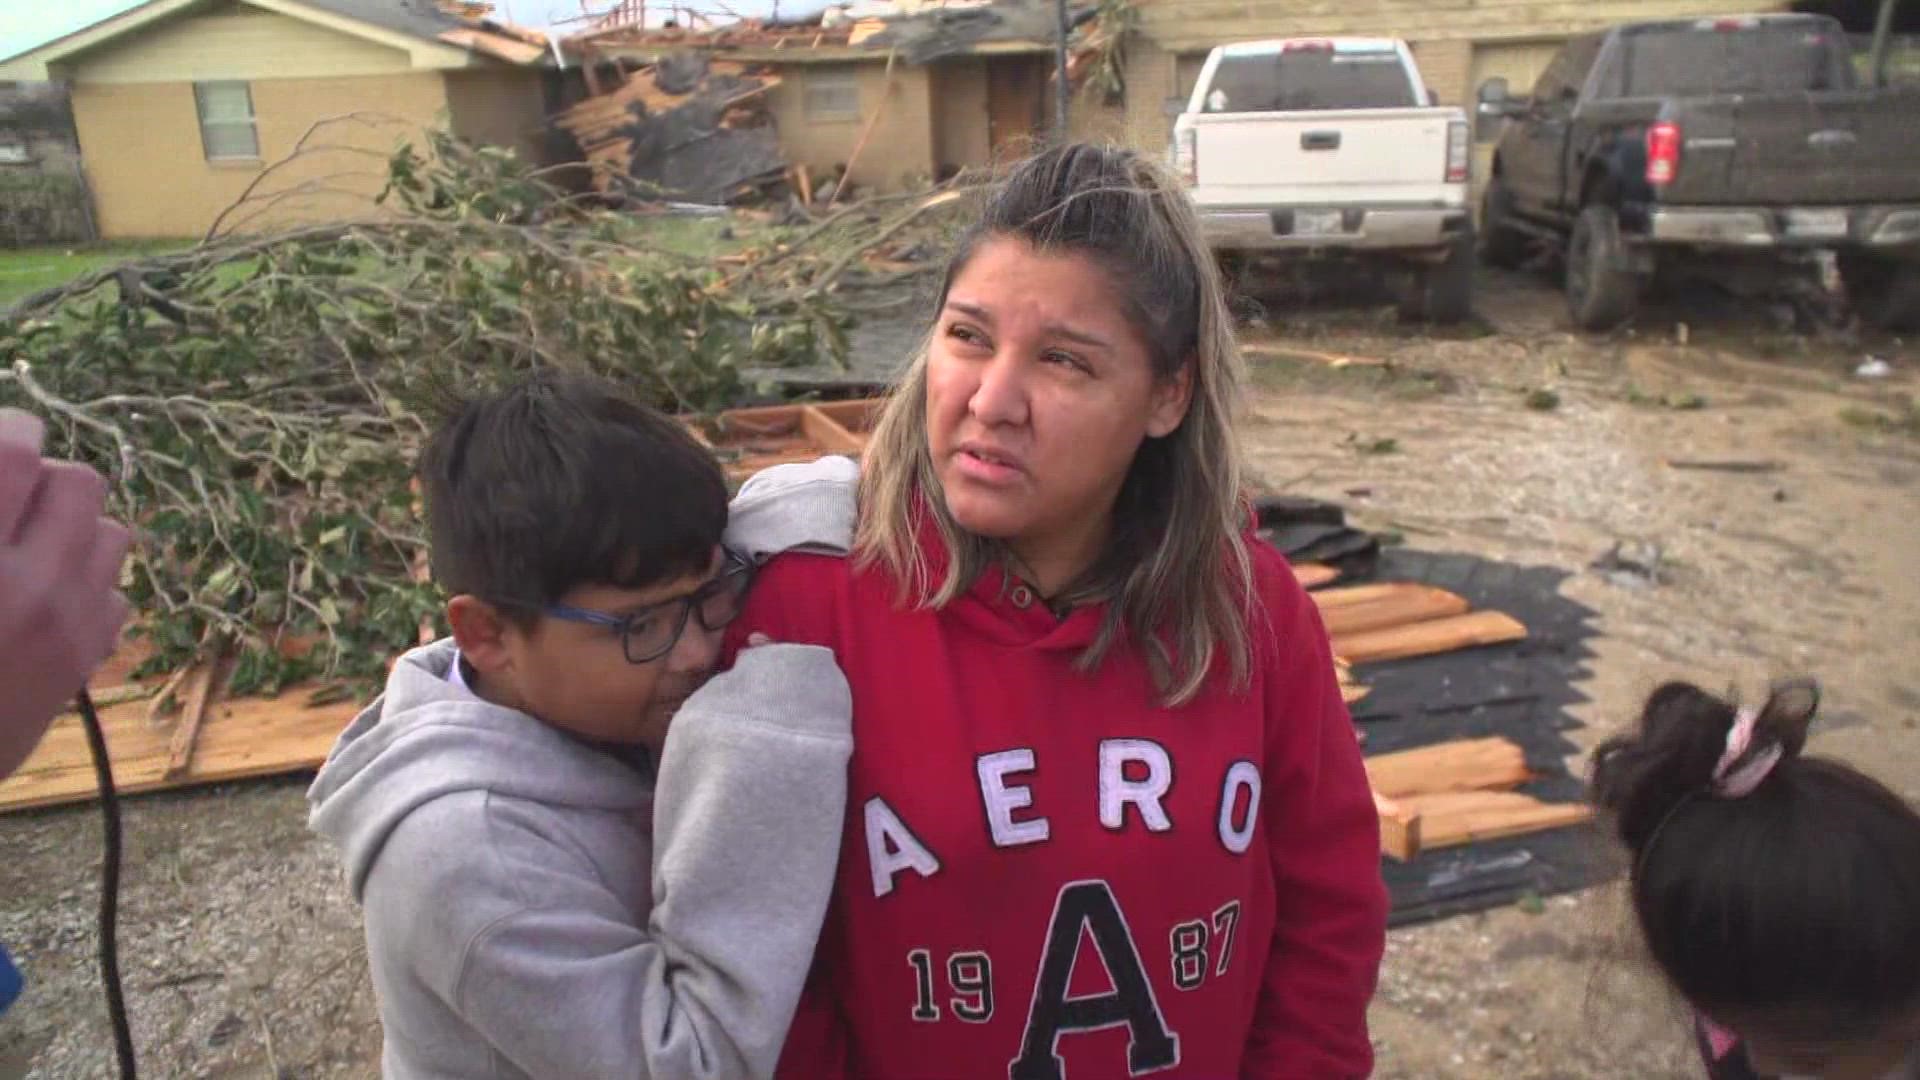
[(1046, 874)]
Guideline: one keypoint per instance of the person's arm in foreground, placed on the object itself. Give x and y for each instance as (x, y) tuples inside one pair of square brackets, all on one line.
[(1324, 839), (747, 827), (60, 609)]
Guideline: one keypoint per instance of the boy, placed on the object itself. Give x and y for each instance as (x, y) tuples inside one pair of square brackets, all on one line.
[(497, 807)]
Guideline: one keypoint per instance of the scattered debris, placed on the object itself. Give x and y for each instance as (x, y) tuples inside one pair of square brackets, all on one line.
[(1313, 356), (236, 739), (1630, 564), (1727, 466), (1313, 531), (1873, 367), (939, 32), (1543, 400), (686, 127), (1459, 792), (749, 440)]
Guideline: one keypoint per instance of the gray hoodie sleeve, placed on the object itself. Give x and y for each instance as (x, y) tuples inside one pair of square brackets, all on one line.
[(747, 829), (805, 506)]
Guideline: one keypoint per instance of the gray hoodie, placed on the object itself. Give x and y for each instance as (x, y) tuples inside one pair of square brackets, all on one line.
[(536, 907)]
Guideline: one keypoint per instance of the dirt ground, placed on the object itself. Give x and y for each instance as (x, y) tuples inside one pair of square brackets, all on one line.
[(242, 952)]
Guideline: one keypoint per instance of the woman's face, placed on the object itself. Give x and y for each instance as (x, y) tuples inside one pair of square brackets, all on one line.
[(1039, 393)]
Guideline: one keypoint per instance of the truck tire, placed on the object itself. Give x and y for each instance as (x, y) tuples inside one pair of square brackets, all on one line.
[(1601, 292), (1501, 244), (1884, 293), (1442, 292)]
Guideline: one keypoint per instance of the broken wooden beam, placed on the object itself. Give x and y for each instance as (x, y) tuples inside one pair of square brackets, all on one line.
[(1399, 828), (1459, 792), (1312, 574), (827, 433), (1493, 764), (1453, 818), (1406, 605), (1348, 595), (1424, 639), (203, 685)]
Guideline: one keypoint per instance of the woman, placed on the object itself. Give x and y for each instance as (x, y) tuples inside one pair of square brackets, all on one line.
[(1108, 815)]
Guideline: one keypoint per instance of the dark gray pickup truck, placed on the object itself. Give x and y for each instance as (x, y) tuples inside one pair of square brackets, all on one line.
[(1747, 134)]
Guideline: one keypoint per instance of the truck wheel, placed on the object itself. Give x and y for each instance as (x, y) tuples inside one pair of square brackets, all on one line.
[(1601, 292), (1885, 293), (1442, 292), (1501, 244)]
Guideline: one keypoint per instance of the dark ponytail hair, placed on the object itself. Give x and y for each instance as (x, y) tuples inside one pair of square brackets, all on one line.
[(1801, 898)]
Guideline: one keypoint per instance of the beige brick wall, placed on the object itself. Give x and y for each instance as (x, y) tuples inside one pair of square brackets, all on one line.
[(960, 137), (499, 106), (1447, 66), (1090, 119), (901, 147), (141, 146), (1151, 80)]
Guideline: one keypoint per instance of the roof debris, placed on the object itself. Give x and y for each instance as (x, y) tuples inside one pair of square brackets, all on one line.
[(687, 127)]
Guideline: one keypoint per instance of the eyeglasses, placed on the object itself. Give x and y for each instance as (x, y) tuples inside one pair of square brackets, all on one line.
[(651, 632)]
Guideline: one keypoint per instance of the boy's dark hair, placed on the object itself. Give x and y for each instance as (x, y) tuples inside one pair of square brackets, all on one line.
[(1801, 899), (565, 480)]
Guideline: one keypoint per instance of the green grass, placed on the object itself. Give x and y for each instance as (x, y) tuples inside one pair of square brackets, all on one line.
[(27, 270), (1904, 421), (691, 236)]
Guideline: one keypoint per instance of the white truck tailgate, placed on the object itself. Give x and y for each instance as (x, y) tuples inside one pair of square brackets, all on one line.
[(1323, 156)]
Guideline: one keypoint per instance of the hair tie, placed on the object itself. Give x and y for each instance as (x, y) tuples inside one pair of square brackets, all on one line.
[(1731, 782)]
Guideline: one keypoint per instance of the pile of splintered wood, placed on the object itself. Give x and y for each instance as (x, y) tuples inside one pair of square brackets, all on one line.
[(1459, 792), (710, 142)]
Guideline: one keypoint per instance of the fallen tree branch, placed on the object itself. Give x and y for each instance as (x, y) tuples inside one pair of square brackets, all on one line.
[(260, 398)]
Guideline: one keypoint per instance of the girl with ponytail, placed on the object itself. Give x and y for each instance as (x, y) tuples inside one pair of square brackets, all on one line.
[(1778, 893)]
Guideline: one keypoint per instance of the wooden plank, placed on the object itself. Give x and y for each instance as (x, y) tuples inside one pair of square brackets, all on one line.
[(202, 687), (1415, 604), (762, 420), (1400, 828), (1312, 574), (241, 738), (827, 434), (856, 415), (1423, 639), (1465, 817), (165, 698), (1349, 595), (1493, 764)]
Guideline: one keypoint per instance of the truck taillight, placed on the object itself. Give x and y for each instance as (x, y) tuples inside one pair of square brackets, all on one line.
[(1186, 155), (1459, 151), (1663, 153)]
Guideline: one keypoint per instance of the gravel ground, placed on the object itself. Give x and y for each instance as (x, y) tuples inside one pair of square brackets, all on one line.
[(243, 954)]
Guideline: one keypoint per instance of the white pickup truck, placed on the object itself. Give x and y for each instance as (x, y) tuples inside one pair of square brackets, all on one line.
[(1332, 147)]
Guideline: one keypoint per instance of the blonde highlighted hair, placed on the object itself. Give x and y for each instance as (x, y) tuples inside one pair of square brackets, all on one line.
[(1176, 574)]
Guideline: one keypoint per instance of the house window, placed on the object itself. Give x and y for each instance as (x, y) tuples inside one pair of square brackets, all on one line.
[(833, 93), (227, 131)]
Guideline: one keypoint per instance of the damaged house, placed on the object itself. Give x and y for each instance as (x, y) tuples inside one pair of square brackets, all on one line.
[(183, 107), (885, 101)]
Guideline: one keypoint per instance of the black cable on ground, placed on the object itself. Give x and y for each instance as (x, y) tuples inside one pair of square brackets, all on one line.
[(109, 889)]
